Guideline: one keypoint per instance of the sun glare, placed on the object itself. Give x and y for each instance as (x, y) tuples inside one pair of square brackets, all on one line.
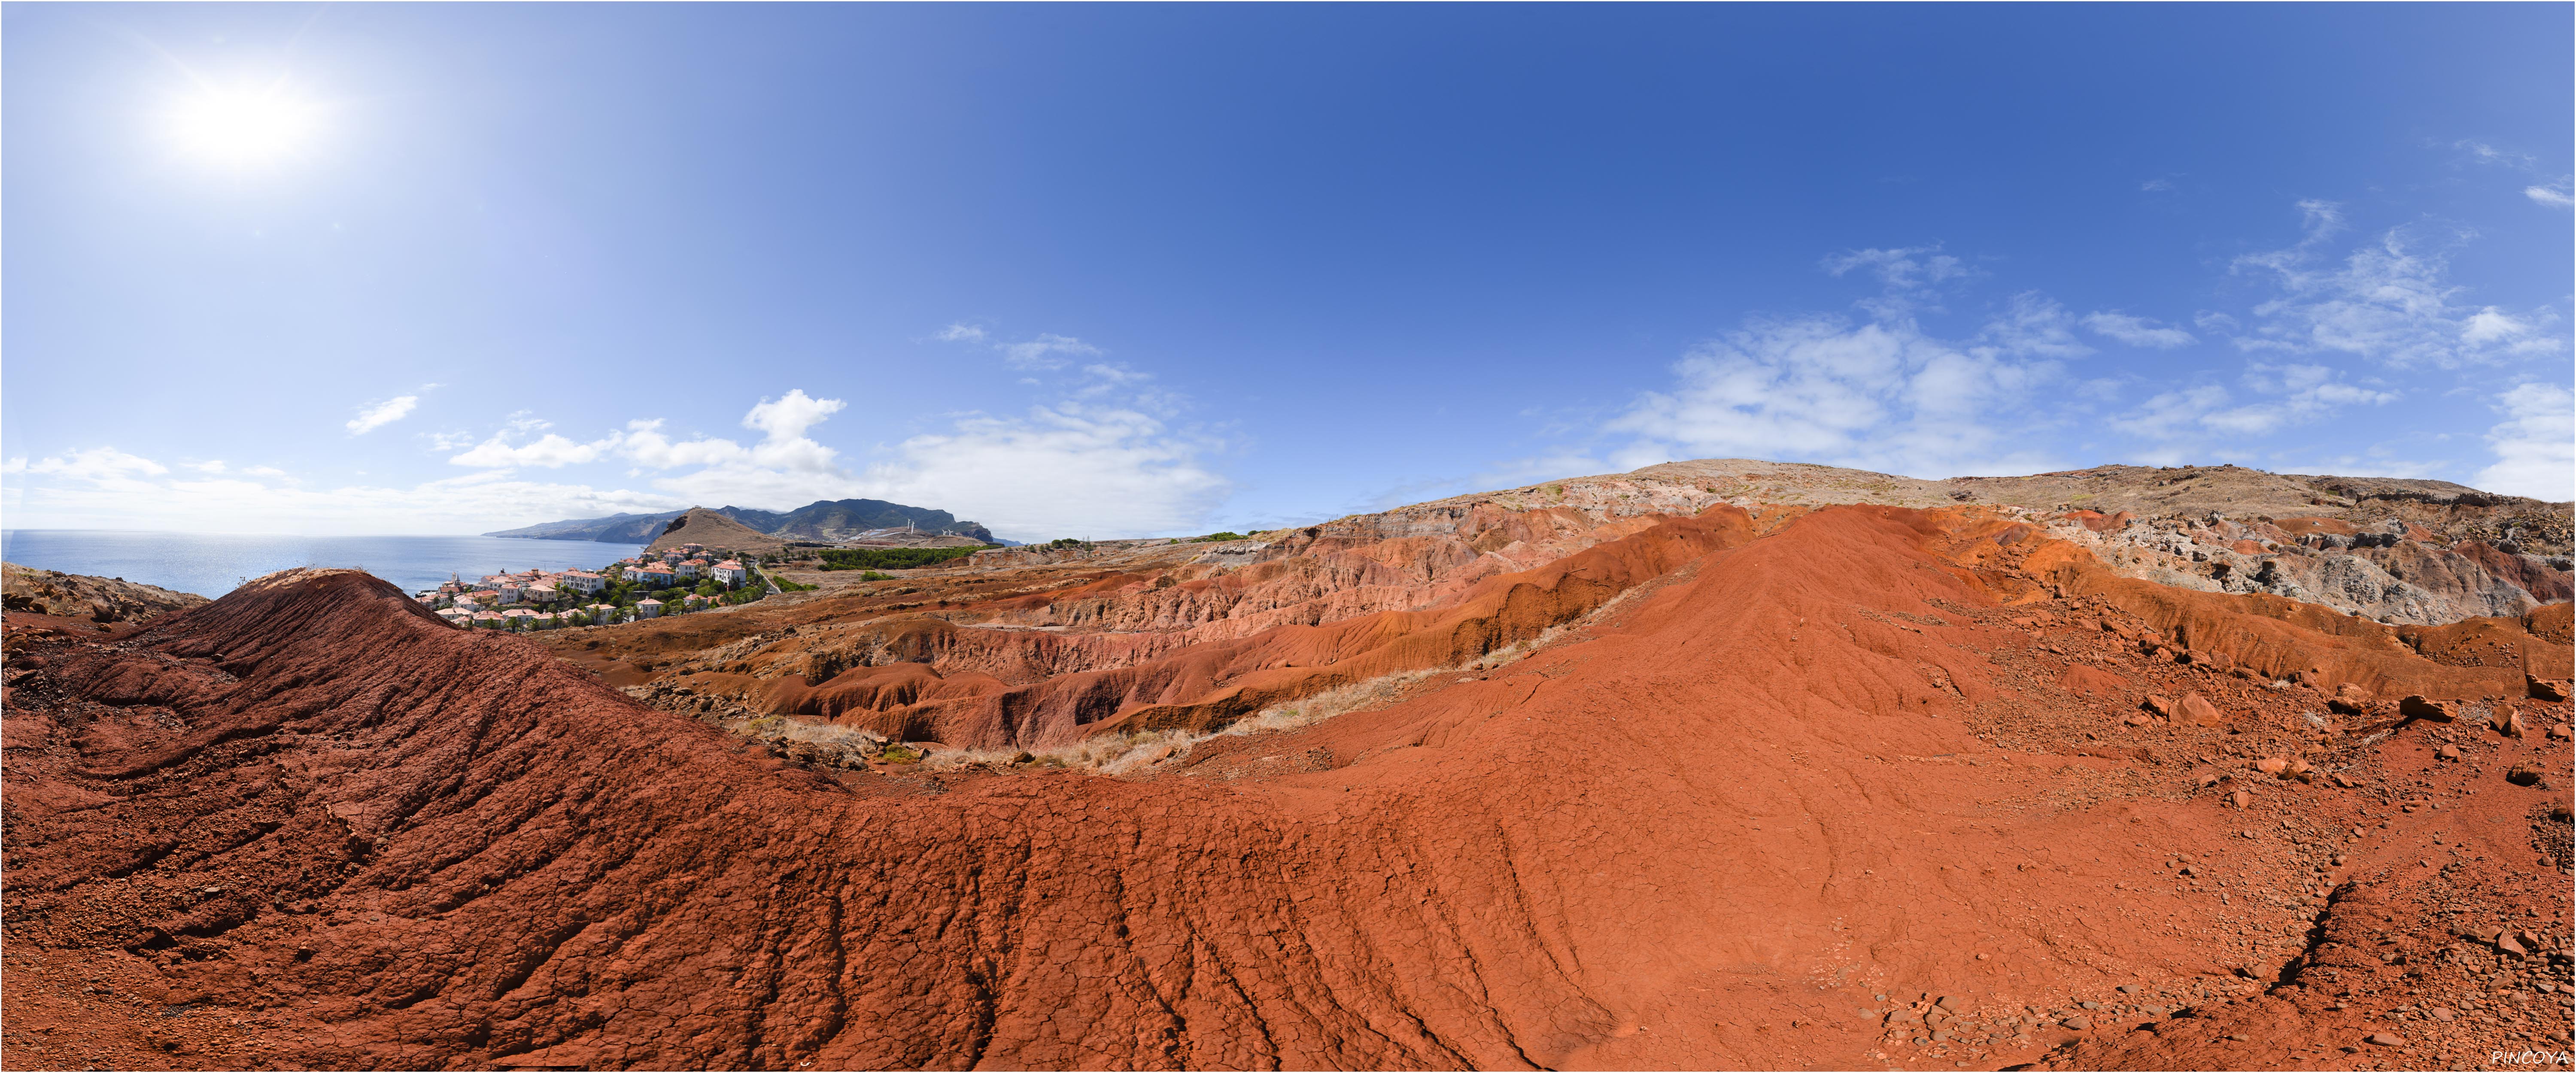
[(243, 127)]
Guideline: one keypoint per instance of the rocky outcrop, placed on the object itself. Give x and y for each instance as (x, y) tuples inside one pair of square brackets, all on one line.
[(79, 598), (2388, 571)]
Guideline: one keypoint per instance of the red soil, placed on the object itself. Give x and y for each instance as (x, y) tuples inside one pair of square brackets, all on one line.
[(1869, 758)]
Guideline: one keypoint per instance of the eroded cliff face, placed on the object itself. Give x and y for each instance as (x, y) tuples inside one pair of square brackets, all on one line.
[(1777, 784), (2390, 571), (1039, 647)]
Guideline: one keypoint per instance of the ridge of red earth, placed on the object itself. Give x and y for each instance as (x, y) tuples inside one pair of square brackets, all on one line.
[(1818, 773)]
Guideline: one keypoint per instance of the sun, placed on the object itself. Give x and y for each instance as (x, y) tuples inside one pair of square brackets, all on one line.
[(243, 127)]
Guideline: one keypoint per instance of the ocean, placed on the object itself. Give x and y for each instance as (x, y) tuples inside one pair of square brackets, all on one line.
[(212, 565)]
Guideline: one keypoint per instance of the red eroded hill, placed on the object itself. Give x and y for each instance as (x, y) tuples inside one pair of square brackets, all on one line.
[(1765, 813)]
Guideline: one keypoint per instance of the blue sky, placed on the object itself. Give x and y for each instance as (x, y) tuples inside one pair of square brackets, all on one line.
[(1107, 271)]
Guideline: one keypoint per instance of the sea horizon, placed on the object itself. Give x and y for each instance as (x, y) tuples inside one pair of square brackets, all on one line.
[(212, 564)]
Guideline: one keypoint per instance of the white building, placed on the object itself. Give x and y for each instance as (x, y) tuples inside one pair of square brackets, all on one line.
[(648, 607), (731, 573)]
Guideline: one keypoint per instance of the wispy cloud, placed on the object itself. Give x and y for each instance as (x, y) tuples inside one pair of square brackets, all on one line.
[(2156, 186), (2389, 300), (377, 415), (2136, 331), (1047, 351), (1911, 277), (2030, 324), (1876, 396), (1101, 463), (1043, 352), (92, 464), (2554, 196), (2484, 153), (2285, 395)]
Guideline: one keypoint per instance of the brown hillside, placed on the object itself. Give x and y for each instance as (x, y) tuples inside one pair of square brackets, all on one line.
[(1731, 788), (703, 526), (79, 601)]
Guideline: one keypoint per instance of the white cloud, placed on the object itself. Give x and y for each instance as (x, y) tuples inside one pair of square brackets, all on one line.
[(788, 416), (1068, 469), (371, 418), (2297, 394), (97, 464), (2535, 446), (2171, 413), (1100, 462), (1878, 396), (1905, 267), (2389, 301), (549, 451), (2555, 197), (2137, 331), (2031, 324), (472, 503), (785, 468), (1041, 352), (2483, 153), (1046, 351), (210, 466), (2155, 186)]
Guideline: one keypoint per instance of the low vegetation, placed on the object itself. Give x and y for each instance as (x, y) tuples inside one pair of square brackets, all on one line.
[(894, 558)]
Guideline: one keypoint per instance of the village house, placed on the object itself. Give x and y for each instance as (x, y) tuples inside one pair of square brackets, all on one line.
[(603, 614), (656, 576), (648, 607), (517, 618), (689, 568), (693, 602), (487, 620), (731, 573), (584, 581)]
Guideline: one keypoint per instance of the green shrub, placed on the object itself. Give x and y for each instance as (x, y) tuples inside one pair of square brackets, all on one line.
[(893, 558), (875, 575)]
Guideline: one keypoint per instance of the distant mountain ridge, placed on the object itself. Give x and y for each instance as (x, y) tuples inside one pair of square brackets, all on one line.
[(823, 520)]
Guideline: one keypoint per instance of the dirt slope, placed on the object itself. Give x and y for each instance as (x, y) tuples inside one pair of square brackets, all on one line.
[(1815, 770), (703, 526), (54, 599)]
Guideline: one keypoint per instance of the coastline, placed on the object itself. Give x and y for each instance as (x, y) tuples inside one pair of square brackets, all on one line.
[(212, 564)]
